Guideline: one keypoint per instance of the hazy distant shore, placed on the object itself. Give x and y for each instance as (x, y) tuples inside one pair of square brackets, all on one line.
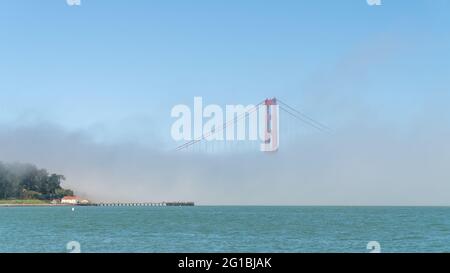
[(34, 205), (27, 203)]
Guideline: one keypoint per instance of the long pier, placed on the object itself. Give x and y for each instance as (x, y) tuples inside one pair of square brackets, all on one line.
[(143, 204)]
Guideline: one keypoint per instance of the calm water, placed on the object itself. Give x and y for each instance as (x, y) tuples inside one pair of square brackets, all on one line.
[(225, 229)]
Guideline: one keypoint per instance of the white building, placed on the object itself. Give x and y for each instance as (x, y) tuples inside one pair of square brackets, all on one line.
[(73, 200)]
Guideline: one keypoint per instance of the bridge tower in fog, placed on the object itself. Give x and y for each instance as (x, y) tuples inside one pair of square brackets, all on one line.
[(271, 126)]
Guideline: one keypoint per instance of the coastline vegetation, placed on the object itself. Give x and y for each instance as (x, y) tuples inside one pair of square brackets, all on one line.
[(24, 202), (26, 184)]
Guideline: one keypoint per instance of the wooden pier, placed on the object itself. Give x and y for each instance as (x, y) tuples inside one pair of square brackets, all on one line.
[(144, 204)]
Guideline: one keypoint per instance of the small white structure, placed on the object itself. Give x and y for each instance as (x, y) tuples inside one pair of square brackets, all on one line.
[(73, 200)]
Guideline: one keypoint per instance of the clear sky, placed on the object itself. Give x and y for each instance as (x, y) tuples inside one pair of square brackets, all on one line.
[(106, 63), (112, 70)]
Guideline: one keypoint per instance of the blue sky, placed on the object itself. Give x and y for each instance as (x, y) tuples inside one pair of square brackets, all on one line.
[(115, 68), (112, 70)]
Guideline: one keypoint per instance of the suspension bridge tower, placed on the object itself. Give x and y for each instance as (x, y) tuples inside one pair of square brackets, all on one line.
[(271, 126)]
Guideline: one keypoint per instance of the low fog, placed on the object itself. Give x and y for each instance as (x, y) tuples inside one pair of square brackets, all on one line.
[(375, 154), (359, 164)]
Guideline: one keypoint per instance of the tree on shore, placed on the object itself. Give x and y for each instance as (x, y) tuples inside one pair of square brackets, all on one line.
[(26, 181)]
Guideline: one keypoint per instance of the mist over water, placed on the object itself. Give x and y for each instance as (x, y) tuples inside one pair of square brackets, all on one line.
[(360, 164)]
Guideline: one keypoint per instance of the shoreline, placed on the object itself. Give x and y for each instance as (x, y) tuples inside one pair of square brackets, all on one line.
[(119, 204), (35, 205)]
